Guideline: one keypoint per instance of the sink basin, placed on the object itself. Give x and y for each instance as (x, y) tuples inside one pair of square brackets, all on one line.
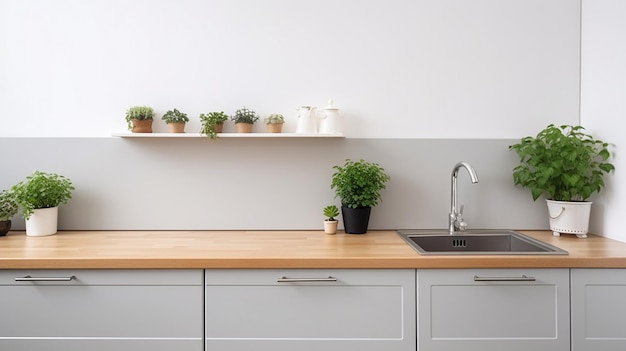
[(477, 242)]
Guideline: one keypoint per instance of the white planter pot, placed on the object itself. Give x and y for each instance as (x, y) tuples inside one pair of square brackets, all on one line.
[(330, 227), (569, 217), (42, 222)]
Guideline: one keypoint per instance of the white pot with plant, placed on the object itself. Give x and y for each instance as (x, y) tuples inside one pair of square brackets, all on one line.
[(330, 223), (244, 120), (175, 120), (139, 119), (567, 166), (39, 198), (8, 208), (212, 123)]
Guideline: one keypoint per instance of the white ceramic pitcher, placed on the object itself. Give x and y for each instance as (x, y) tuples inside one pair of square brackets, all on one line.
[(306, 120), (330, 122)]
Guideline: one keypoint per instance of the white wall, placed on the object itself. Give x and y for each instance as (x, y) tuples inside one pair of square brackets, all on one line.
[(433, 68), (603, 106)]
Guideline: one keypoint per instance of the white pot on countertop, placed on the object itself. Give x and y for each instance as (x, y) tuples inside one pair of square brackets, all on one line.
[(569, 217), (42, 222)]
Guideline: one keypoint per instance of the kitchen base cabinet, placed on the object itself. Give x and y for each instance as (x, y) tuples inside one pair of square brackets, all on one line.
[(310, 309), (493, 309), (598, 309), (101, 310)]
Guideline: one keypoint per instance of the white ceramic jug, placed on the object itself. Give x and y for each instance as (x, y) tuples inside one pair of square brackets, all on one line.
[(330, 123), (306, 120)]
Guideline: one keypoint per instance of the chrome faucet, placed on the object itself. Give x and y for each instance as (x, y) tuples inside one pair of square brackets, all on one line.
[(455, 220)]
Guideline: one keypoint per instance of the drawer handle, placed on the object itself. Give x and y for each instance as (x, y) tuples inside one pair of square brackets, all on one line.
[(284, 279), (523, 278), (28, 278)]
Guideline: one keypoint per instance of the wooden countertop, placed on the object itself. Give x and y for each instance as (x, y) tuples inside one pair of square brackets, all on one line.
[(276, 249)]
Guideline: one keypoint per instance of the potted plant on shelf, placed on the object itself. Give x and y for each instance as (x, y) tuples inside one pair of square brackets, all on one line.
[(244, 120), (212, 123), (567, 166), (8, 208), (358, 185), (175, 120), (39, 198), (330, 223), (139, 119), (274, 123)]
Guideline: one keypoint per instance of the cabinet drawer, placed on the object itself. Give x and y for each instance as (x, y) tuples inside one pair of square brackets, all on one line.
[(493, 309), (101, 304), (297, 309)]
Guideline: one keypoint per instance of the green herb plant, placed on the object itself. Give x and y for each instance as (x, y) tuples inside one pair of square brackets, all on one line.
[(209, 121), (331, 211), (42, 190), (8, 205), (138, 113), (244, 115), (358, 183), (175, 116), (562, 162)]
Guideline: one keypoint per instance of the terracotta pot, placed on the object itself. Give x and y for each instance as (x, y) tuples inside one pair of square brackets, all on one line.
[(218, 128), (5, 226), (142, 126), (244, 127), (274, 128), (176, 127)]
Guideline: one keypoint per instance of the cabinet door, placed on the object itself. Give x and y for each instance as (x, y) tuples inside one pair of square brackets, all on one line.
[(101, 310), (493, 309), (598, 309), (308, 310)]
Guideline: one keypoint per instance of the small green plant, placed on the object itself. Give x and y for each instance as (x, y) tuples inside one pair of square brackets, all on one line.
[(358, 184), (209, 121), (8, 205), (139, 113), (175, 116), (331, 211), (244, 115), (42, 190), (275, 118), (563, 162)]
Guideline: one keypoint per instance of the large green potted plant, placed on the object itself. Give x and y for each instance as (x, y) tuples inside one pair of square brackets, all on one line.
[(358, 184), (139, 119), (8, 208), (567, 166), (212, 123), (175, 120), (39, 198), (244, 120)]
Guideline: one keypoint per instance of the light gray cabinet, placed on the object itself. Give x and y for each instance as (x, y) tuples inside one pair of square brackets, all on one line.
[(77, 310), (310, 309), (598, 309), (493, 309)]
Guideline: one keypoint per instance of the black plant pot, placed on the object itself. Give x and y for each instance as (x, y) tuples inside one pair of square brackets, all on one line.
[(5, 226), (355, 220)]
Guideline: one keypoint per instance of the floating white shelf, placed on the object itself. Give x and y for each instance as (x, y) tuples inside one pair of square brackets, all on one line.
[(226, 135)]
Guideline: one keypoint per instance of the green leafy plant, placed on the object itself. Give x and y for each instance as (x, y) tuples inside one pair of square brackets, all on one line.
[(8, 205), (139, 113), (331, 211), (244, 115), (175, 116), (42, 190), (563, 162), (209, 121), (275, 118), (358, 184)]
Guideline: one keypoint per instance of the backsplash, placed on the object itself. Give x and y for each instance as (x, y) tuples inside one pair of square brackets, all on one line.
[(267, 183)]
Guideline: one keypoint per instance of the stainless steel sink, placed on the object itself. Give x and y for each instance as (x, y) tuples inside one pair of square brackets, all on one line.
[(477, 242)]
